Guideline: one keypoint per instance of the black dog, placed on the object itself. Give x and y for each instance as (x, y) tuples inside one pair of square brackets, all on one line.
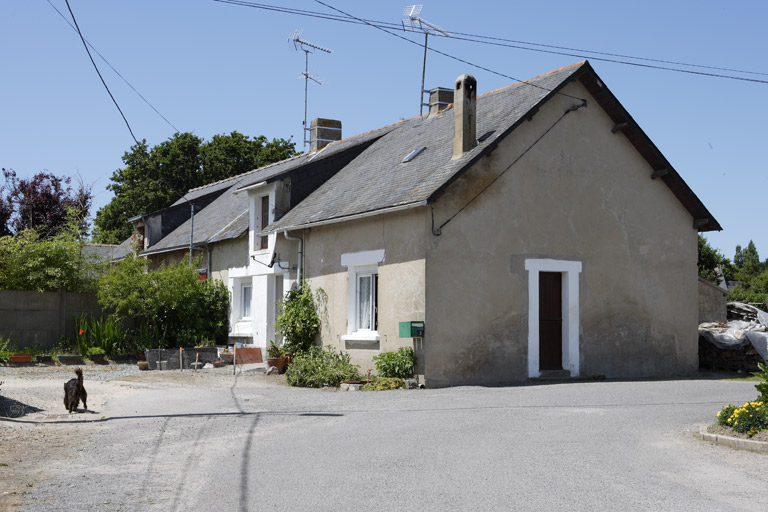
[(74, 391)]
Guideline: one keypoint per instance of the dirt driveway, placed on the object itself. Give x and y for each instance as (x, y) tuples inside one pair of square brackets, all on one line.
[(214, 441), (37, 433)]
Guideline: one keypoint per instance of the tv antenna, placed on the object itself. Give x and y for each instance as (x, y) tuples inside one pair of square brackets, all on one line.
[(413, 23), (307, 48)]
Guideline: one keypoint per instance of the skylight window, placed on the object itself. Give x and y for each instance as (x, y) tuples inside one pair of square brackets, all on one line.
[(413, 154)]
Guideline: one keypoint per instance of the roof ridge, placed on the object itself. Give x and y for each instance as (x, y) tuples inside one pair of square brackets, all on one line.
[(244, 173), (537, 77)]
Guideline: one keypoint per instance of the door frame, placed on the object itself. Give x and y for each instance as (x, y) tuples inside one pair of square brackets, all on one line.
[(570, 271)]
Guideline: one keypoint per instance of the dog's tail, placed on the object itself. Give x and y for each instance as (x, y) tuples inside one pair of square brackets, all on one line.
[(79, 374)]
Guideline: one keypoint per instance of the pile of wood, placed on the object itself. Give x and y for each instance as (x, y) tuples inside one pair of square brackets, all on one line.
[(743, 359)]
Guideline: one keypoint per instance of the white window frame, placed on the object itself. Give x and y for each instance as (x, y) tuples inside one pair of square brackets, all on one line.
[(358, 265), (246, 305), (372, 292)]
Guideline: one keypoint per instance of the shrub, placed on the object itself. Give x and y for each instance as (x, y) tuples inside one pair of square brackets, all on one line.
[(400, 364), (95, 350), (297, 320), (172, 306), (724, 414), (318, 367), (6, 349), (762, 388), (384, 384), (750, 418)]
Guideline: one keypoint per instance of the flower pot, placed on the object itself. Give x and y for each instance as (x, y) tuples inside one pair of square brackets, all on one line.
[(98, 358), (44, 359), (21, 358), (71, 359), (277, 362)]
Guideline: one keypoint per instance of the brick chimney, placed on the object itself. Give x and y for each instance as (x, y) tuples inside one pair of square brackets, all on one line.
[(322, 132), (464, 115), (439, 98)]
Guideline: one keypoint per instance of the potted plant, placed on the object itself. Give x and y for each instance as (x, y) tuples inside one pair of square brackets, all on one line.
[(276, 356), (70, 358), (227, 356), (96, 355), (21, 358)]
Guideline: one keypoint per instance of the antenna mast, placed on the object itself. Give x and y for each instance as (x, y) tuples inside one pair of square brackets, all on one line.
[(307, 48), (413, 23)]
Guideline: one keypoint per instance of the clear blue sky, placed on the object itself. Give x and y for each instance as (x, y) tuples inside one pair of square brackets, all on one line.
[(211, 68)]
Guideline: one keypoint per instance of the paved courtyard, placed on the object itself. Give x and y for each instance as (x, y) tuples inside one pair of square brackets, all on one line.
[(183, 442)]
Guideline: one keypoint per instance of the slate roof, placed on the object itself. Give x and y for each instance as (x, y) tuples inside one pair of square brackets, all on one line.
[(227, 216), (378, 180)]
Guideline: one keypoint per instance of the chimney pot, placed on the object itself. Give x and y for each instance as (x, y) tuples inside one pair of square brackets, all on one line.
[(464, 115), (322, 132)]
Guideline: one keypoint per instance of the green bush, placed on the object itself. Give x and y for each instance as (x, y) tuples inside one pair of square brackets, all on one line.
[(400, 364), (384, 384), (6, 349), (762, 388), (750, 418), (297, 320), (95, 350), (724, 414), (318, 367), (172, 306), (33, 262)]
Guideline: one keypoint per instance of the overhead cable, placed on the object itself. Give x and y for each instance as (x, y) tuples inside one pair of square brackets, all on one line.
[(99, 73), (113, 68)]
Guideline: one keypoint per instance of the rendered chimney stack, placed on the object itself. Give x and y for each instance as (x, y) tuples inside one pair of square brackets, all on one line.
[(322, 132), (464, 115), (439, 98)]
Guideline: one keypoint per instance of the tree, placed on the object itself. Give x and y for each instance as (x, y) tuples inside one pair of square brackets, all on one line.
[(30, 262), (709, 261), (41, 203), (752, 263), (154, 178)]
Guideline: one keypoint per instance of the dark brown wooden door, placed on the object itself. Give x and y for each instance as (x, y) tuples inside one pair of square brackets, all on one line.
[(550, 321)]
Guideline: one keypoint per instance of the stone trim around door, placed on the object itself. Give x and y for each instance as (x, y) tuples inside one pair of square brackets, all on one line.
[(570, 271)]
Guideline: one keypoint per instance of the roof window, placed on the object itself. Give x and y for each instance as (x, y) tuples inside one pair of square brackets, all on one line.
[(413, 154)]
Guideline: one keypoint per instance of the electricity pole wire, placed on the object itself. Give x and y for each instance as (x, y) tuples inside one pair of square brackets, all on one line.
[(496, 41), (99, 73), (113, 69)]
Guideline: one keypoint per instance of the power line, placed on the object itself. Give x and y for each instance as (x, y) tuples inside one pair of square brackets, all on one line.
[(113, 68), (448, 55), (511, 43), (98, 72)]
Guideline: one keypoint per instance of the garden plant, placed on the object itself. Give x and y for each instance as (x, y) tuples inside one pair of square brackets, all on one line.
[(752, 417)]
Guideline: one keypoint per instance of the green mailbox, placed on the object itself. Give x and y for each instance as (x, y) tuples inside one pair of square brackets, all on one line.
[(412, 329)]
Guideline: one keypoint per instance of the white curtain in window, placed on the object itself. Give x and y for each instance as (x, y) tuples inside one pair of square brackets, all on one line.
[(247, 301), (364, 290)]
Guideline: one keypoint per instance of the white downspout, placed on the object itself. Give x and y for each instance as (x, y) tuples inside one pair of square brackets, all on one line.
[(299, 273)]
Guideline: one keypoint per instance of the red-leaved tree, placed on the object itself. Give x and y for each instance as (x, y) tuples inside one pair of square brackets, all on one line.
[(41, 202)]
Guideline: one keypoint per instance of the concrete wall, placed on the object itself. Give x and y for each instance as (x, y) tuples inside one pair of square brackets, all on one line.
[(33, 319), (712, 302), (228, 254), (581, 194), (401, 278)]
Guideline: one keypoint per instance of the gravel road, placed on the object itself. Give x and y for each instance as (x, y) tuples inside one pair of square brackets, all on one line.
[(181, 441)]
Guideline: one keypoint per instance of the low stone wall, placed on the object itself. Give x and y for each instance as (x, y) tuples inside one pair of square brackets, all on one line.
[(712, 302), (34, 319)]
